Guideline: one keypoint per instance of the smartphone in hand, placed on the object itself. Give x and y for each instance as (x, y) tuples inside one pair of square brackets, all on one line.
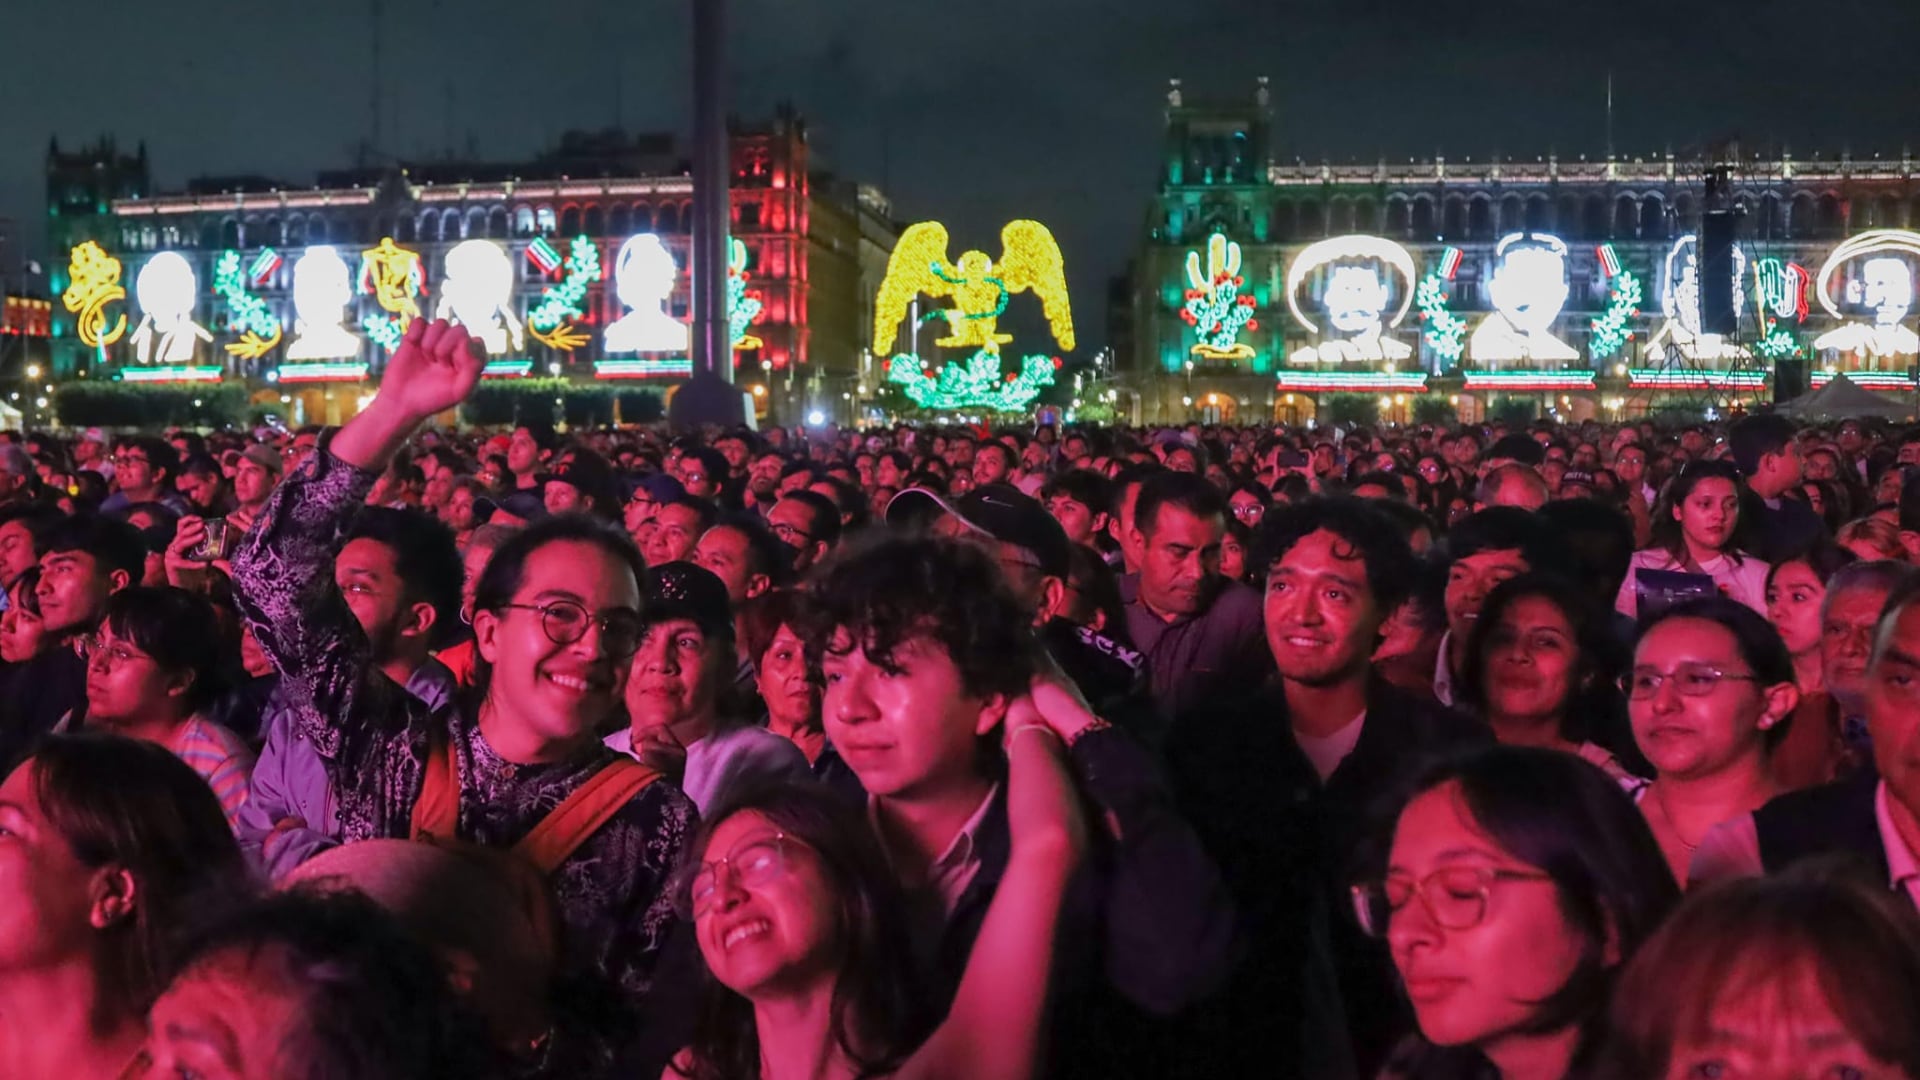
[(215, 545)]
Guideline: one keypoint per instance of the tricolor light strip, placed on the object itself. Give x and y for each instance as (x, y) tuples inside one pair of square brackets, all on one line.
[(263, 267), (1697, 380), (542, 255), (501, 369), (1449, 262), (1529, 380), (1372, 382), (172, 373), (1609, 259), (643, 369), (1871, 380), (319, 372)]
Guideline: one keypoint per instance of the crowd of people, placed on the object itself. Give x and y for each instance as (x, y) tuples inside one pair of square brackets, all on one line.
[(400, 750)]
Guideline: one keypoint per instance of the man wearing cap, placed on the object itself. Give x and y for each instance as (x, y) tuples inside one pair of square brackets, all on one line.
[(650, 493), (17, 475), (676, 686), (91, 453), (582, 482), (254, 479)]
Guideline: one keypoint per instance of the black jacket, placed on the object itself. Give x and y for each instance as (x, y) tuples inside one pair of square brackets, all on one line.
[(1832, 819)]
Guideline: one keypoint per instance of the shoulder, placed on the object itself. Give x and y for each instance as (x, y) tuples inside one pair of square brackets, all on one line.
[(1651, 559), (218, 738), (1238, 601)]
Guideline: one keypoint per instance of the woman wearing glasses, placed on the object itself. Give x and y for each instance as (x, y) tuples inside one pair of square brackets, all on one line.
[(1519, 881), (1696, 529), (1710, 692), (556, 622), (805, 932)]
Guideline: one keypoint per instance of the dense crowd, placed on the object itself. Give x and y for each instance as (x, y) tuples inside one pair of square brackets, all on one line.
[(401, 751)]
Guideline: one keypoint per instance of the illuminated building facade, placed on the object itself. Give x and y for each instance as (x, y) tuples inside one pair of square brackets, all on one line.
[(293, 286), (1261, 286)]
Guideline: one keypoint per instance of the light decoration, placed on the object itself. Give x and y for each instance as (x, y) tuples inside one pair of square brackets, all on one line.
[(1215, 307), (172, 373), (166, 290), (321, 371), (1680, 302), (260, 328), (648, 368), (1356, 299), (1696, 379), (744, 306), (542, 256), (1354, 382), (322, 287), (477, 293), (506, 369), (1779, 295), (643, 277), (93, 282), (1528, 289), (1883, 286), (552, 322), (1614, 328), (980, 289), (264, 265), (1867, 380), (1445, 332), (1523, 381), (396, 279)]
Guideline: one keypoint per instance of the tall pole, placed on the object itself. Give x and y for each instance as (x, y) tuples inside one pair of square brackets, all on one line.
[(709, 397)]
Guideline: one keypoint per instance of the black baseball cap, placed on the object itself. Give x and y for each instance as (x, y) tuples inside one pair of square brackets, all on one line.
[(683, 590), (1000, 511)]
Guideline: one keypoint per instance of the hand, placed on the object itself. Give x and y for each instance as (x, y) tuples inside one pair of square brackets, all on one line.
[(662, 753), (434, 369), (1053, 701), (188, 535)]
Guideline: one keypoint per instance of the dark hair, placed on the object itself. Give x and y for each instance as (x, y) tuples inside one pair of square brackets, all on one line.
[(1007, 455), (1380, 544), (1594, 541), (38, 520), (1594, 695), (1191, 492), (424, 555), (1084, 486), (1565, 817), (1752, 437), (704, 511), (161, 455), (25, 591), (1756, 639), (375, 1002), (114, 545), (202, 465), (1498, 528), (1132, 476), (507, 567), (713, 461), (765, 553), (1766, 936), (1823, 557), (849, 503), (880, 1009), (898, 587), (180, 630), (1666, 529), (1516, 447), (761, 617), (1405, 516), (1377, 478), (133, 804), (825, 525)]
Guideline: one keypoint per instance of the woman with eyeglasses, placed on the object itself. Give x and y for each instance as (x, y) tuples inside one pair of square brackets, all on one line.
[(1696, 531), (1519, 881), (556, 622), (1710, 694), (805, 933), (1248, 502)]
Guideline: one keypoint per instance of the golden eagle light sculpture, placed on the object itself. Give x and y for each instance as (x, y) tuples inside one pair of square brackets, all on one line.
[(978, 286)]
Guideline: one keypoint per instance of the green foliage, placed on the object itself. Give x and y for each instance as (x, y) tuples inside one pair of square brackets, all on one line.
[(89, 403), (1434, 409), (1510, 410), (1349, 410), (501, 402)]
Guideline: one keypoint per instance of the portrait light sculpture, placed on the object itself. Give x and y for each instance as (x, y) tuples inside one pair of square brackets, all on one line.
[(643, 277), (1680, 305), (1883, 286), (1528, 291), (1356, 299), (322, 288), (166, 290), (477, 293)]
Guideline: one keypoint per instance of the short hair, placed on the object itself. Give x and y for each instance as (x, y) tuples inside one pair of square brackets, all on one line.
[(127, 802), (1883, 575), (1395, 490), (1516, 447), (1497, 528), (508, 567), (850, 502), (202, 465), (1131, 476), (38, 520), (1882, 534), (898, 587), (376, 1002), (1381, 545), (1753, 437), (1816, 931), (704, 510), (114, 545), (424, 555), (1084, 486), (765, 553), (761, 617), (160, 453), (1189, 491), (182, 633), (1594, 538), (825, 526), (1006, 452), (713, 461)]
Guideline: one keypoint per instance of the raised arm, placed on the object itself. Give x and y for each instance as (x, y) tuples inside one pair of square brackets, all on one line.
[(993, 1031)]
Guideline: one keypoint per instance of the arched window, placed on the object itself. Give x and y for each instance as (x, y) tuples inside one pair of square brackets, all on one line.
[(296, 231), (1539, 214), (1593, 218), (570, 220), (1513, 214), (595, 223), (643, 219), (449, 225), (230, 234), (1768, 224), (1313, 219), (1286, 220), (620, 221), (1422, 217), (523, 222), (497, 223), (1887, 212), (1480, 218), (1340, 215), (1653, 218), (1626, 218), (1828, 219), (1397, 217), (1800, 216), (405, 230), (1566, 218), (209, 236), (476, 222), (1453, 218), (1684, 219), (543, 221)]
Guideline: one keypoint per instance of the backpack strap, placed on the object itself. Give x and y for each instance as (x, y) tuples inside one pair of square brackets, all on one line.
[(436, 811), (580, 815)]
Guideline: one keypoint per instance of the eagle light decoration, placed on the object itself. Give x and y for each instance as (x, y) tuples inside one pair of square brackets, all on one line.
[(979, 288)]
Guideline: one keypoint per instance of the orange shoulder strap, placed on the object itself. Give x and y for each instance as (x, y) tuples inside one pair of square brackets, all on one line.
[(436, 812), (581, 814)]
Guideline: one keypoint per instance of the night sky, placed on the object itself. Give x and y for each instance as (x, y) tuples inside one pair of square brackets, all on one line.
[(971, 113)]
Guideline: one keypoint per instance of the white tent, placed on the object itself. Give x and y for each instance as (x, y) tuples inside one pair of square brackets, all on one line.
[(10, 418), (1842, 398)]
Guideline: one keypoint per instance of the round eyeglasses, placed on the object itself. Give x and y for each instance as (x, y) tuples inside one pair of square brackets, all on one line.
[(1455, 898), (566, 622)]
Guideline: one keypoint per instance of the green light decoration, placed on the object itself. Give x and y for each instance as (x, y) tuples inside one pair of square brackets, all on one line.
[(1214, 305), (1612, 330), (1445, 332), (975, 383), (744, 308), (552, 320), (385, 331), (1778, 343), (260, 328)]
